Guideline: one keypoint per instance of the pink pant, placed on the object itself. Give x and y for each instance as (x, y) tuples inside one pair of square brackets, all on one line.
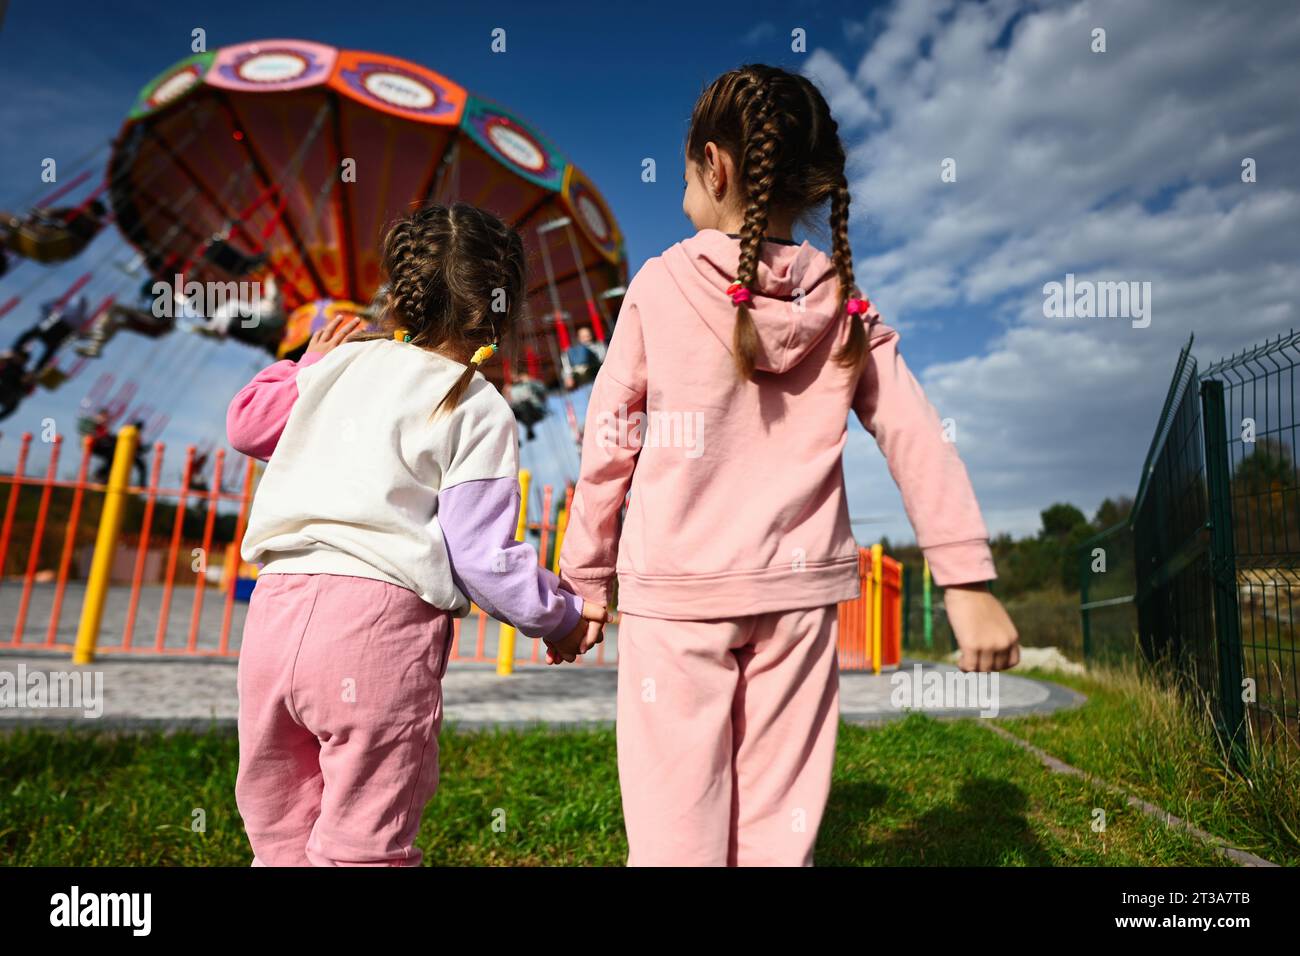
[(726, 737), (340, 703)]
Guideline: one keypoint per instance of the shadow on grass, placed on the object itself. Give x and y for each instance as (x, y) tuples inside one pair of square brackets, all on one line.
[(988, 827), (985, 824)]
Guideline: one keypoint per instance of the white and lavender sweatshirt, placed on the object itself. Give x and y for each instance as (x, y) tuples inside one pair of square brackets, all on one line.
[(361, 481)]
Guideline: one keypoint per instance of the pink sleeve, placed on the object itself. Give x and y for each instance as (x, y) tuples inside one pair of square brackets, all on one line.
[(590, 551), (936, 490), (257, 415)]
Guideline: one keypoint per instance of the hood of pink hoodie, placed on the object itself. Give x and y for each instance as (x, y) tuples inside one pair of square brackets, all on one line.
[(705, 264)]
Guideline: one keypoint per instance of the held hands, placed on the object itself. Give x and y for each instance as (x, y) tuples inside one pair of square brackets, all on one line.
[(586, 634), (340, 329), (983, 629)]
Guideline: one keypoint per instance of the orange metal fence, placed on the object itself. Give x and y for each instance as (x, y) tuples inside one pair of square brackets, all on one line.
[(48, 535), (179, 544), (54, 547), (871, 628)]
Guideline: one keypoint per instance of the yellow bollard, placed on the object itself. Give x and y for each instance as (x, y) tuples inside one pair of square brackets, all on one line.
[(561, 524), (229, 566), (506, 635), (877, 606), (101, 565)]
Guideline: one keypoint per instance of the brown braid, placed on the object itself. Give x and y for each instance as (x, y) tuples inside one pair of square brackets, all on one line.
[(854, 350), (778, 128), (758, 168), (455, 280)]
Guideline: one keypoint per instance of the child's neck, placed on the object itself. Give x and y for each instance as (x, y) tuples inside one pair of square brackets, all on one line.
[(446, 350), (452, 354), (458, 355), (780, 226), (776, 239)]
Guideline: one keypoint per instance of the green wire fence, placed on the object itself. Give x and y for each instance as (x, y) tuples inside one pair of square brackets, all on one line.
[(1204, 575)]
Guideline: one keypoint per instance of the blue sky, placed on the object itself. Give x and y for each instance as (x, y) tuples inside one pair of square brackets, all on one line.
[(609, 86), (1118, 165)]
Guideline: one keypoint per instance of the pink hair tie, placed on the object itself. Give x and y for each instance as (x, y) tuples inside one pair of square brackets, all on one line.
[(855, 306), (738, 293)]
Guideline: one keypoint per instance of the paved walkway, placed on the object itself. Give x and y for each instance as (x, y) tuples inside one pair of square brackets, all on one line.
[(170, 694), (181, 618)]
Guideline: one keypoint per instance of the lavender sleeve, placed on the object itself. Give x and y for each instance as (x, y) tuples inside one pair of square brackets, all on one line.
[(478, 520)]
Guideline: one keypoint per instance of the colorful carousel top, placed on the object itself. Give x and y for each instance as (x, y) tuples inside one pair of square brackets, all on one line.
[(285, 159)]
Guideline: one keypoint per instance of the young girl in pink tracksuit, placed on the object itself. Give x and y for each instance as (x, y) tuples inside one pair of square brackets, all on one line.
[(722, 407), (389, 502)]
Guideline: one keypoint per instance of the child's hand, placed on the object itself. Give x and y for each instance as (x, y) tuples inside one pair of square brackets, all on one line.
[(983, 629), (586, 634), (595, 635), (340, 330)]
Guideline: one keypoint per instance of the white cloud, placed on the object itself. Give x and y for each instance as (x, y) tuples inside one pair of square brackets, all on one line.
[(1123, 165), (848, 105)]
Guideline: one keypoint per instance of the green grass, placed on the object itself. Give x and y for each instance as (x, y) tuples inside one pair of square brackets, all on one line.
[(1138, 731), (915, 792), (941, 793), (919, 791)]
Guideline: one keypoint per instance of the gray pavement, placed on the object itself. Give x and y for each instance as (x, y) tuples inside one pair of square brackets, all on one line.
[(143, 689), (173, 693)]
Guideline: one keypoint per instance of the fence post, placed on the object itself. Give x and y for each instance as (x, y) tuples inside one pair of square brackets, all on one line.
[(11, 509), (877, 606), (898, 613), (1223, 567), (905, 606), (506, 633), (927, 604), (101, 565), (1085, 567)]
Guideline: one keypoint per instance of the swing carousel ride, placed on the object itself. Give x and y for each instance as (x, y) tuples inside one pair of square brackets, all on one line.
[(276, 166)]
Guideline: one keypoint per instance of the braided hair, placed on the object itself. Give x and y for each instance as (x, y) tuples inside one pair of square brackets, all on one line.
[(455, 277), (778, 128)]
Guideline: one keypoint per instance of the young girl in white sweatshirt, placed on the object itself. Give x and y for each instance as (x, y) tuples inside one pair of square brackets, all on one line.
[(389, 502)]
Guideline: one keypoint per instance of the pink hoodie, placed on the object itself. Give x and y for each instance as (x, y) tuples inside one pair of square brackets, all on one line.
[(737, 488)]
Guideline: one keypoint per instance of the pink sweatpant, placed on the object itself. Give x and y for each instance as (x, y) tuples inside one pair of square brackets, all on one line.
[(340, 703), (726, 737)]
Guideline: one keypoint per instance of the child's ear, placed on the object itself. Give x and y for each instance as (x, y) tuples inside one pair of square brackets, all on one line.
[(717, 173)]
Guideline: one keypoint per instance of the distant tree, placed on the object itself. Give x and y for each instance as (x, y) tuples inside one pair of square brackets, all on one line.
[(1264, 503), (1061, 519), (1047, 562), (1065, 528), (1268, 468), (1031, 566), (1070, 555), (1112, 511)]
